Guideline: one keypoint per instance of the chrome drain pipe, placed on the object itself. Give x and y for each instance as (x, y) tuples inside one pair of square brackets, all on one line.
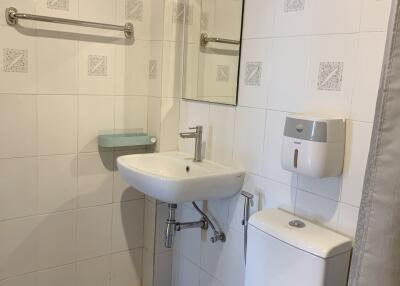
[(172, 226), (170, 230)]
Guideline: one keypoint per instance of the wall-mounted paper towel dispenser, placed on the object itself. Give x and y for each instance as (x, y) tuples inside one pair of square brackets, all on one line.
[(313, 145)]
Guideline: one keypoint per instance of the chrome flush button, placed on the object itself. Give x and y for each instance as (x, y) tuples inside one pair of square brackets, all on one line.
[(299, 128), (297, 224)]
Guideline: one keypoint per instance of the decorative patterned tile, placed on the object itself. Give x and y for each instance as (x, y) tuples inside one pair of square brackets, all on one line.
[(330, 76), (152, 69), (204, 19), (97, 65), (294, 5), (223, 73), (58, 4), (134, 9), (15, 60), (182, 13), (253, 73)]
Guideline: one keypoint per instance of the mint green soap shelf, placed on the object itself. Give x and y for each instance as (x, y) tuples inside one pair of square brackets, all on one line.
[(125, 140)]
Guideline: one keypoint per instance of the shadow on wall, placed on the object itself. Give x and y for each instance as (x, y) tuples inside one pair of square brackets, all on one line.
[(48, 237)]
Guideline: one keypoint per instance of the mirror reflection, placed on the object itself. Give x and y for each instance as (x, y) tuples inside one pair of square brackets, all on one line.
[(212, 50)]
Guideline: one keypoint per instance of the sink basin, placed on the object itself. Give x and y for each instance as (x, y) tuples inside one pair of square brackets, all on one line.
[(174, 178)]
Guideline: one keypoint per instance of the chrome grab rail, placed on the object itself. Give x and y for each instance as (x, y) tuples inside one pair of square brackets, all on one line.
[(205, 39), (12, 17)]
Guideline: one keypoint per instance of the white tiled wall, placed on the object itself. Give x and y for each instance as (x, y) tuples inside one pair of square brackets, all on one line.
[(287, 43), (66, 216)]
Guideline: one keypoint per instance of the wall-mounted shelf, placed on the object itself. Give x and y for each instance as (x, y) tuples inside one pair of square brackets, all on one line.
[(125, 140)]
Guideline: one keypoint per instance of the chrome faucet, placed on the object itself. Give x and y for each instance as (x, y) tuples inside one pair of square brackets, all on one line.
[(198, 136)]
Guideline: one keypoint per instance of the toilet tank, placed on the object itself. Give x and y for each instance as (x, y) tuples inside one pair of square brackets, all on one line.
[(284, 250)]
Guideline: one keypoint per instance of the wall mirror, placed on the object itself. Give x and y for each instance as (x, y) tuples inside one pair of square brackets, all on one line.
[(212, 45)]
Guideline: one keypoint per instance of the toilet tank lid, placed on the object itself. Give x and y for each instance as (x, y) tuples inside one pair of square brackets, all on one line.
[(311, 238)]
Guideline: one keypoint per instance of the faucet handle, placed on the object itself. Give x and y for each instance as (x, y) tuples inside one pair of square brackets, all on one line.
[(197, 128)]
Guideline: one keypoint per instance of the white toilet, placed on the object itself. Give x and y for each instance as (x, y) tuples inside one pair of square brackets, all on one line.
[(284, 250)]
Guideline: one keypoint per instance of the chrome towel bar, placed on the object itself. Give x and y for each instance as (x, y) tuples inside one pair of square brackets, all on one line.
[(205, 39), (12, 17)]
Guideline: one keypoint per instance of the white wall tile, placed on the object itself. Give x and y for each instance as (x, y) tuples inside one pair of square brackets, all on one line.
[(154, 116), (131, 113), (318, 209), (57, 183), (148, 268), (154, 71), (127, 230), (149, 225), (357, 148), (18, 120), (258, 19), (93, 272), (57, 65), (249, 138), (63, 276), (18, 246), (277, 195), (369, 67), (95, 178), (172, 69), (126, 268), (18, 181), (221, 134), (169, 124), (375, 15), (57, 239), (185, 273), (255, 72), (132, 78), (96, 114), (24, 280), (207, 280), (290, 63), (94, 231), (316, 17), (348, 217), (163, 269), (57, 124), (105, 11), (325, 187), (327, 13)]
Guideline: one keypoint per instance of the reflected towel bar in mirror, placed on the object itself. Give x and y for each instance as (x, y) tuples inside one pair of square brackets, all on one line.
[(205, 39), (12, 17)]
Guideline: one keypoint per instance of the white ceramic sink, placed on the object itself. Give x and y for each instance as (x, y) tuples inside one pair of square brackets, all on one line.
[(173, 177)]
